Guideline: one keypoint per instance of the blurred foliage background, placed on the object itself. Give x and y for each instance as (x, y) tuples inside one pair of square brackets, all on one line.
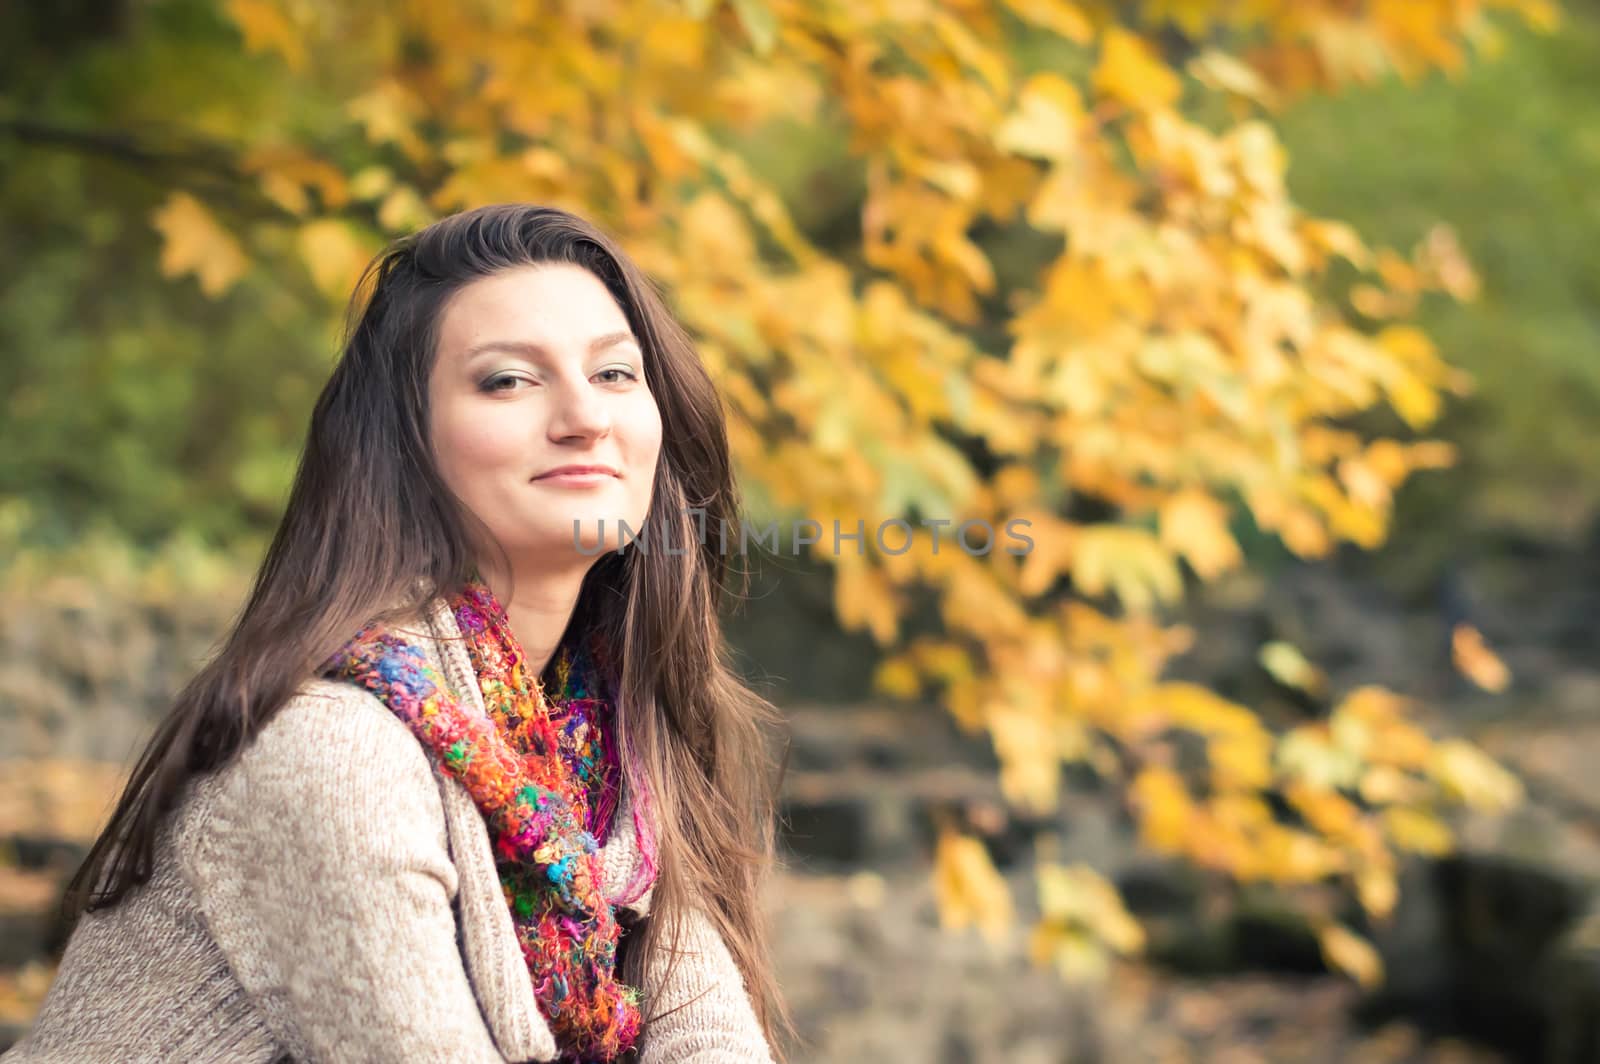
[(1302, 667)]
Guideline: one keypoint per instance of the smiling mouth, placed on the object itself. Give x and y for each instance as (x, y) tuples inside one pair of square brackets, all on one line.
[(576, 477)]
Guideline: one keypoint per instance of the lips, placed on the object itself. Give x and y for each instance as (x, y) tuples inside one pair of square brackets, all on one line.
[(578, 470)]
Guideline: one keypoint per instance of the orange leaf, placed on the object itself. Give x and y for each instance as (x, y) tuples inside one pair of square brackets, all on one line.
[(1476, 661)]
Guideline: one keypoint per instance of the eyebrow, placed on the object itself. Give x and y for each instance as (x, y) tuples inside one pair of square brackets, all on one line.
[(529, 347)]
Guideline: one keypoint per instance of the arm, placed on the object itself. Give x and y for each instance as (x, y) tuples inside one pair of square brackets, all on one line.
[(325, 876), (716, 1023)]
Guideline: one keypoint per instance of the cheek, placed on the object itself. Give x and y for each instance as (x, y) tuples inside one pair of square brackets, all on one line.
[(471, 447), (644, 444)]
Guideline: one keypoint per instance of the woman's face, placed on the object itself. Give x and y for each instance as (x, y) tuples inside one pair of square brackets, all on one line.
[(538, 369)]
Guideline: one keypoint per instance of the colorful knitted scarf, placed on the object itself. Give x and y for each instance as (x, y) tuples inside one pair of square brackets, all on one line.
[(546, 775)]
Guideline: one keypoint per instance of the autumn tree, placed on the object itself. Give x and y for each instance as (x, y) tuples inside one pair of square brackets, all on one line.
[(1072, 290)]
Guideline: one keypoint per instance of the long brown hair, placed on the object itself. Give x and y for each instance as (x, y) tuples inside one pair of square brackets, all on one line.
[(371, 533)]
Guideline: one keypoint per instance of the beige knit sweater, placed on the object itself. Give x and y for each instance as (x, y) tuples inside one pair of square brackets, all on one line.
[(332, 896)]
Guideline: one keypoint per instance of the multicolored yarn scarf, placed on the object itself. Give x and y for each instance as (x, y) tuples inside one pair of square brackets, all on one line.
[(546, 775)]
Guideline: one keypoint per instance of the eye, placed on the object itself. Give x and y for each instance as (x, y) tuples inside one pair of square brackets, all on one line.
[(626, 374), (503, 382)]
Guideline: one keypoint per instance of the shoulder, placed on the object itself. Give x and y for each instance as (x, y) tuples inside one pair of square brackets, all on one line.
[(324, 716), (331, 742), (328, 768)]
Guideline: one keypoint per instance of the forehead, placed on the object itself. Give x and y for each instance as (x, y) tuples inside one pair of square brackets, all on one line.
[(557, 305)]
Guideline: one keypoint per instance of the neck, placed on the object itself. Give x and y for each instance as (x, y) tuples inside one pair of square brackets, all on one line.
[(538, 602)]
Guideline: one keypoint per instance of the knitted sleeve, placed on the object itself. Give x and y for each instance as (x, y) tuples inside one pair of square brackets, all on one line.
[(698, 1011), (325, 876)]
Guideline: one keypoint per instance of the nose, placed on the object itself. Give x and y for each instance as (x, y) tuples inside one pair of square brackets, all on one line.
[(580, 410)]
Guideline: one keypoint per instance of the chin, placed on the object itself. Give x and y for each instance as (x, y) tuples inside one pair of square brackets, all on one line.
[(589, 542)]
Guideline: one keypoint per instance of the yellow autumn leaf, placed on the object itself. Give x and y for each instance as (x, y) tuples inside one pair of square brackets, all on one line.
[(1412, 398), (975, 602), (371, 182), (1304, 532), (403, 210), (1261, 161), (1077, 956), (1284, 854), (1475, 660), (715, 232), (959, 178), (1328, 812), (1375, 704), (863, 596), (194, 242), (1030, 764), (1336, 238), (1164, 807), (288, 174), (1405, 379), (1078, 895), (945, 660), (1130, 562), (286, 192), (897, 678), (1431, 454), (1286, 664), (1195, 524), (1050, 555), (969, 890), (387, 114), (267, 28), (1306, 753), (1376, 888), (1364, 482), (334, 255), (759, 21), (1472, 776), (1131, 72), (1441, 256), (1397, 743), (1388, 785), (1241, 761), (1348, 952), (1349, 49), (987, 62), (1417, 831), (1198, 708), (1220, 71), (1047, 119), (1543, 15), (1059, 16)]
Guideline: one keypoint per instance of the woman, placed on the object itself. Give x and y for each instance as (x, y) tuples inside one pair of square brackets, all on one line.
[(470, 736)]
